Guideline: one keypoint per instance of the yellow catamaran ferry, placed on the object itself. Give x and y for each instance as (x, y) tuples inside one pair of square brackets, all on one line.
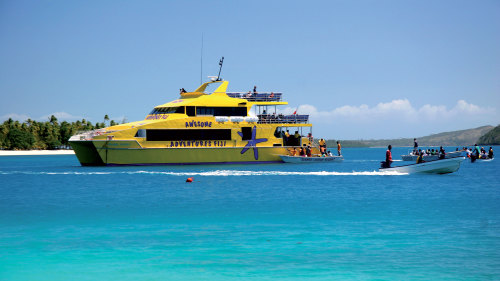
[(200, 127)]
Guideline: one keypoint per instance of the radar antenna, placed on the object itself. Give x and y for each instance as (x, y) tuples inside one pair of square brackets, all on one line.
[(220, 68)]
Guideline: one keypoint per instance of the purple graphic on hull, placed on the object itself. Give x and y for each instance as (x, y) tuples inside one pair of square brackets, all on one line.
[(252, 143)]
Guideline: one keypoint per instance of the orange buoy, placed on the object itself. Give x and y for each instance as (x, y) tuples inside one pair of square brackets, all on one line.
[(189, 180)]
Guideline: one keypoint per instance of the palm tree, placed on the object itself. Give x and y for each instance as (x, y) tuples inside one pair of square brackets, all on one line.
[(106, 118)]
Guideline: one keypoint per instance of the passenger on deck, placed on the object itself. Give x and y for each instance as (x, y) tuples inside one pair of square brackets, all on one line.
[(294, 152), (308, 151), (287, 137), (322, 146), (310, 137), (330, 153), (302, 152), (415, 145), (182, 91), (490, 153), (254, 90), (388, 158), (296, 137), (442, 153), (339, 148)]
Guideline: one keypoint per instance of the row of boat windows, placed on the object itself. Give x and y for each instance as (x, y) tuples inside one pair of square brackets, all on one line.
[(185, 134), (199, 110)]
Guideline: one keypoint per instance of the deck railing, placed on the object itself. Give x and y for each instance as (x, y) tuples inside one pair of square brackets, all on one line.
[(287, 119), (260, 96)]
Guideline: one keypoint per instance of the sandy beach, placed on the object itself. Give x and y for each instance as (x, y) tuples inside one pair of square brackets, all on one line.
[(35, 152)]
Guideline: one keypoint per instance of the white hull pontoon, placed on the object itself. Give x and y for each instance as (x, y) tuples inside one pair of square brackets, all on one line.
[(302, 159), (442, 166)]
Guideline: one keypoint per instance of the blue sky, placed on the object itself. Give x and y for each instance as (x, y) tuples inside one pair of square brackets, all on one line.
[(362, 69)]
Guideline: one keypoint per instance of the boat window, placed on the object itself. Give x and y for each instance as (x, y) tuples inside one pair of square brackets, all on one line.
[(187, 134), (167, 110), (190, 111), (247, 133), (221, 111), (141, 133), (205, 111)]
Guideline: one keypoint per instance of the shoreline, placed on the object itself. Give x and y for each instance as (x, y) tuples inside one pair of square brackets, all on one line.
[(36, 152)]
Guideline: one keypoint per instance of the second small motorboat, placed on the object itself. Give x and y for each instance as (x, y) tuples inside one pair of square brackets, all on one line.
[(440, 166)]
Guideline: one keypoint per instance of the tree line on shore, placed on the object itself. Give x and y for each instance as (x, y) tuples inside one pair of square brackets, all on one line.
[(50, 134)]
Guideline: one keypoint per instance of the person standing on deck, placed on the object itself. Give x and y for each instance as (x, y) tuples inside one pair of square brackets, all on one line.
[(388, 157), (339, 147), (322, 146), (415, 145), (490, 153)]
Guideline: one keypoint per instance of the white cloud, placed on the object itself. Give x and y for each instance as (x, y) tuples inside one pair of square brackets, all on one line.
[(397, 118), (396, 108), (61, 116), (15, 116)]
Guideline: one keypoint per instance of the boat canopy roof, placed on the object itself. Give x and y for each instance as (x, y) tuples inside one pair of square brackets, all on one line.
[(218, 97)]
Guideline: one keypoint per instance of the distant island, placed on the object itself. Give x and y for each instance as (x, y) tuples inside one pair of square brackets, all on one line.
[(491, 138), (482, 135), (49, 135)]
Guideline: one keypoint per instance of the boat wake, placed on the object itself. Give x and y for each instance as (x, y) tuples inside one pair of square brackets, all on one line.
[(220, 173)]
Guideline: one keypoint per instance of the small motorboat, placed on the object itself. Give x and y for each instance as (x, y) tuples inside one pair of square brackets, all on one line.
[(413, 157), (440, 166), (482, 159), (302, 159)]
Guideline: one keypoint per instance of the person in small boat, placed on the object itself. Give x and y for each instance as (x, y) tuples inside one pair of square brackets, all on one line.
[(388, 158), (490, 153), (474, 154), (442, 153), (420, 158), (330, 153), (339, 148)]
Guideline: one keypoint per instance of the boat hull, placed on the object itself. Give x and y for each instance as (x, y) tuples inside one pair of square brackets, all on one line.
[(300, 159), (102, 153), (443, 166)]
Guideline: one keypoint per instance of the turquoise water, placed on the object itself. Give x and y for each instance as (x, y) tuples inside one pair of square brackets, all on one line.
[(333, 221)]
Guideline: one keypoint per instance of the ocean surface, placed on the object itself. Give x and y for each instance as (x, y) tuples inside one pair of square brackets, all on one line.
[(331, 221)]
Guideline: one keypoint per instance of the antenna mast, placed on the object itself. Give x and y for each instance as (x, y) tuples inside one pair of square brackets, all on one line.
[(201, 63), (220, 68)]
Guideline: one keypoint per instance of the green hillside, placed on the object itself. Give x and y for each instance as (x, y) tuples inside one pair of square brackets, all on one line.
[(490, 138), (454, 138)]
